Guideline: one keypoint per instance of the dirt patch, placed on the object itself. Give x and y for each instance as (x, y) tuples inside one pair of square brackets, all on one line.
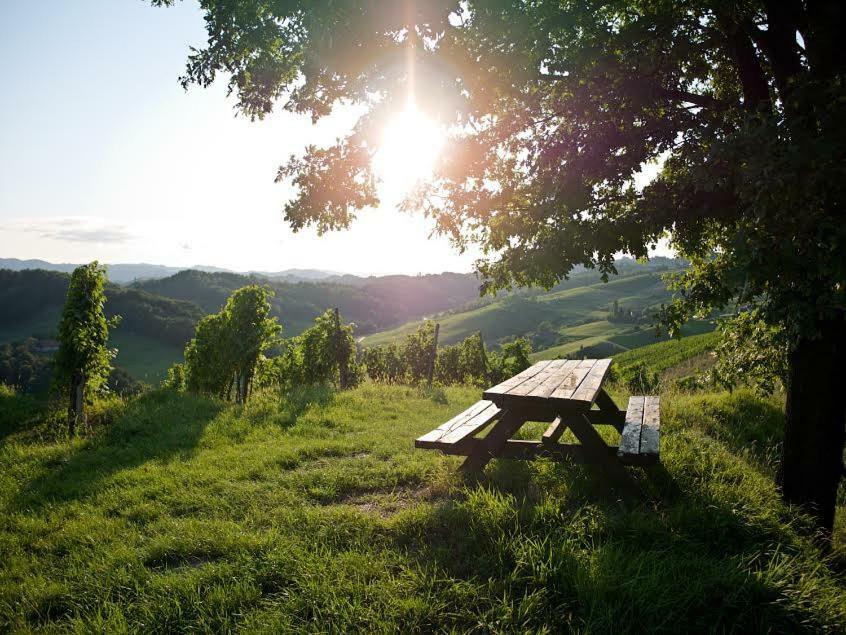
[(176, 561), (388, 502)]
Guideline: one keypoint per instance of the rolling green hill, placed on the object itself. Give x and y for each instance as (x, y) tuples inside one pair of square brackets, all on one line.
[(371, 303), (150, 337), (566, 321), (159, 315)]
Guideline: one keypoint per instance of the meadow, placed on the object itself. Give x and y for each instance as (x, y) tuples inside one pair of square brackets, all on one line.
[(576, 318), (312, 512)]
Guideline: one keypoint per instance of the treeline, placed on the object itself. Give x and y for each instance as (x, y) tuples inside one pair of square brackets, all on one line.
[(371, 303), (240, 347)]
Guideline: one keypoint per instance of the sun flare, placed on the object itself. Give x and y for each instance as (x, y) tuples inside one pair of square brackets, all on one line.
[(410, 145)]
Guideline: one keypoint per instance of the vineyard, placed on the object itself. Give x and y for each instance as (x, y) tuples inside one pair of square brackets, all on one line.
[(664, 355)]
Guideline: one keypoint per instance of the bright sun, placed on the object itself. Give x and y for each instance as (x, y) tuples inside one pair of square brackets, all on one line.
[(410, 145)]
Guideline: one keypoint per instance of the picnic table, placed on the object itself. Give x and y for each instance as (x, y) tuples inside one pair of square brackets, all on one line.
[(565, 394)]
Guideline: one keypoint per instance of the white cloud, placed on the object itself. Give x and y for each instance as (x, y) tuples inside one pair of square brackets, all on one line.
[(75, 229)]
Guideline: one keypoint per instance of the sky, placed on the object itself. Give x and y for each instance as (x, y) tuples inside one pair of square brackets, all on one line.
[(104, 156)]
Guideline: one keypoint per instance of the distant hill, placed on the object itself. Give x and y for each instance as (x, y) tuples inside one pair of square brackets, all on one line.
[(123, 273), (372, 303), (573, 318), (159, 315), (152, 333)]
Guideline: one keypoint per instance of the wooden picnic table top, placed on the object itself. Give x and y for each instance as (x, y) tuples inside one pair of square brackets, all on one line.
[(570, 383)]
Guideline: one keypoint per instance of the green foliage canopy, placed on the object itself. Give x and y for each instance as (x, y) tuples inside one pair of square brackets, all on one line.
[(554, 109)]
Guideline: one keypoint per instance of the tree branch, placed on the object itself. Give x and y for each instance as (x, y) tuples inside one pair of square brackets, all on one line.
[(703, 101), (756, 90)]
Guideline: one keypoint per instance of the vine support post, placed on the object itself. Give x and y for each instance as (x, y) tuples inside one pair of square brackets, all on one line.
[(339, 356), (434, 354)]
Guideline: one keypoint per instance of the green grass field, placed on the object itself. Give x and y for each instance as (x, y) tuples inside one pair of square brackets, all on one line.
[(579, 315), (145, 358), (314, 513), (517, 315), (606, 339)]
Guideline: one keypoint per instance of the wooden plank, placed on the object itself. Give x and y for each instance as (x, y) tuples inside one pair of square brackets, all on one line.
[(550, 371), (651, 425), (592, 383), (544, 389), (527, 450), (519, 378), (554, 431), (571, 382), (630, 439), (487, 448), (461, 426)]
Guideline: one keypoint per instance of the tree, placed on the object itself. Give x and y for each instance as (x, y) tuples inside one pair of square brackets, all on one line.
[(226, 346), (83, 361), (251, 333), (327, 351), (512, 358), (555, 108)]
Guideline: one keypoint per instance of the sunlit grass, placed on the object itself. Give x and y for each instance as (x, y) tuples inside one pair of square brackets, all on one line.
[(313, 512)]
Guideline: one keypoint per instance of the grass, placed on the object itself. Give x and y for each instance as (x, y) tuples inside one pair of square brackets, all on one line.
[(313, 512), (145, 358), (606, 339)]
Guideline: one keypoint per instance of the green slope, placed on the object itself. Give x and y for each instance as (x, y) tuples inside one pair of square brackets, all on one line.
[(314, 513), (576, 317), (151, 335), (607, 339)]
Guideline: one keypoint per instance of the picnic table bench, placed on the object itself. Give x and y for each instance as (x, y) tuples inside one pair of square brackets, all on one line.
[(566, 394)]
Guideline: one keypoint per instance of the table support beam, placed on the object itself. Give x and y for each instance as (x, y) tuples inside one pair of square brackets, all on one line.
[(487, 448)]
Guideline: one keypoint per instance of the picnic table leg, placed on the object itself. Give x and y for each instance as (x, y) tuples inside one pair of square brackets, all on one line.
[(509, 422), (599, 450), (616, 417)]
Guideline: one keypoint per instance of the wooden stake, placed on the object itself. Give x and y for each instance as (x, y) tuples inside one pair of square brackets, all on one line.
[(433, 357), (342, 363)]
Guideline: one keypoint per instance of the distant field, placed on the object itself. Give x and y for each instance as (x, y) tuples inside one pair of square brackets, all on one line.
[(518, 315), (578, 318), (43, 326), (665, 355), (143, 357), (614, 339)]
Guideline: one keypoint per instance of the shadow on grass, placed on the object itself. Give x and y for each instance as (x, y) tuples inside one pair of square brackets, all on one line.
[(18, 411), (742, 421), (559, 549), (300, 399), (157, 426)]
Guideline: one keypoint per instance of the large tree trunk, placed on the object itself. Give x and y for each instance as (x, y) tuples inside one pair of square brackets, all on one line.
[(76, 405), (812, 459)]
